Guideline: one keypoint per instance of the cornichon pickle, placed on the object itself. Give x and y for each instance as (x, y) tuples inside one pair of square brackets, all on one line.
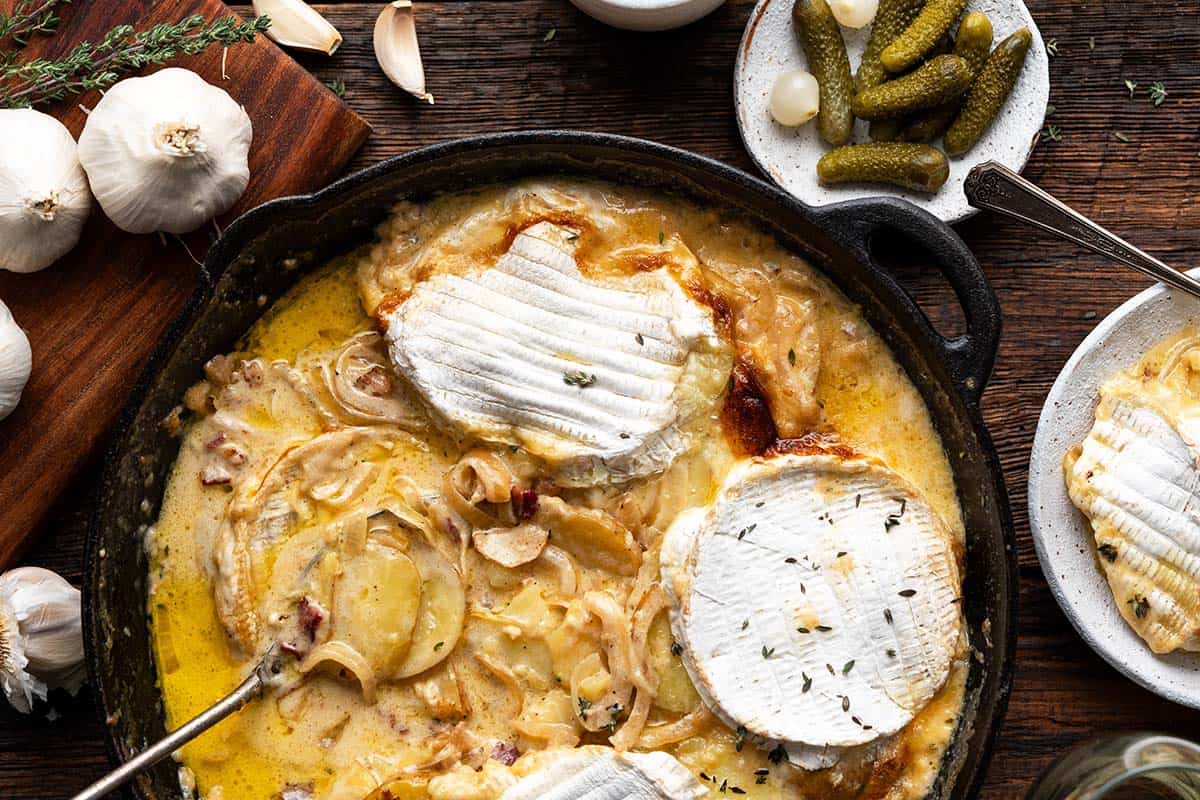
[(919, 38), (973, 43), (928, 125), (891, 20), (995, 82), (936, 82), (974, 40), (910, 166), (821, 37), (885, 130)]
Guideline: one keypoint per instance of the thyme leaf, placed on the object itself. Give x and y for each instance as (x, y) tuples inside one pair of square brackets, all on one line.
[(97, 65), (579, 378), (1052, 134)]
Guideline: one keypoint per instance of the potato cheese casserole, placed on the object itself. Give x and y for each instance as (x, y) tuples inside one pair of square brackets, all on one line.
[(562, 490)]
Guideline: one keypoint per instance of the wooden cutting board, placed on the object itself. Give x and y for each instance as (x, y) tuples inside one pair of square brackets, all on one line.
[(94, 317)]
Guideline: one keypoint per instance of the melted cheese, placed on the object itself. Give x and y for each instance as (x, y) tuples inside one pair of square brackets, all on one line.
[(816, 599), (595, 379), (1136, 477), (598, 773), (528, 630)]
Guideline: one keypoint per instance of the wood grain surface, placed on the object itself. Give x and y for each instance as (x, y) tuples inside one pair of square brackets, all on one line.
[(492, 69), (94, 317)]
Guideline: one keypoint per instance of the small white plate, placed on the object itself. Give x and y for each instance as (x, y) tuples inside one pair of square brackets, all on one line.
[(1060, 533), (647, 15), (789, 155)]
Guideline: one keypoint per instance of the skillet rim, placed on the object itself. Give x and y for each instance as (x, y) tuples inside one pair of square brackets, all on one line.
[(830, 219)]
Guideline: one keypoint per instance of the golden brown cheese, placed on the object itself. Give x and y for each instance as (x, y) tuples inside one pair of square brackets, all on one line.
[(554, 650)]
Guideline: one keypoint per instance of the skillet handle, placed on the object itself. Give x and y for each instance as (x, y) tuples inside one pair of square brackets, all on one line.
[(970, 356)]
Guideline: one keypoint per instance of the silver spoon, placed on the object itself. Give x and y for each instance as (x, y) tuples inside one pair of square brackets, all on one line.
[(990, 185), (263, 675)]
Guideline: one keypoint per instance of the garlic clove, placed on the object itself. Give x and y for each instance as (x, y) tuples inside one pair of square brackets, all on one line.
[(397, 51), (296, 24), (16, 361), (166, 152), (44, 197), (41, 635)]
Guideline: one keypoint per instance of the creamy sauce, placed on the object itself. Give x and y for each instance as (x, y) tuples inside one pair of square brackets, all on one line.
[(436, 728)]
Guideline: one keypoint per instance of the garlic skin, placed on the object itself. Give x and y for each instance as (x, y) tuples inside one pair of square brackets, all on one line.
[(44, 197), (16, 361), (397, 51), (41, 635), (296, 24), (166, 152)]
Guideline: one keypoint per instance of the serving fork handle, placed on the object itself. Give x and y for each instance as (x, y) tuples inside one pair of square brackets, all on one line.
[(264, 672), (993, 186)]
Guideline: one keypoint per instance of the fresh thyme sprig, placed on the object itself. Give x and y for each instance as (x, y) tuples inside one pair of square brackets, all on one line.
[(95, 66), (29, 17)]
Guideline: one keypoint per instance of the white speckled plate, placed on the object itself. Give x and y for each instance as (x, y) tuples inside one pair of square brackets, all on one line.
[(789, 155), (1060, 533)]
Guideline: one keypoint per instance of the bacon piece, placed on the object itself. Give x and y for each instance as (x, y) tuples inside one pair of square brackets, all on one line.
[(311, 616), (506, 753), (524, 502), (375, 382), (215, 475)]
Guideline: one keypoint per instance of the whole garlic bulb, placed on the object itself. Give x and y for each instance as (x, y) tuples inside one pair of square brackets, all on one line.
[(16, 361), (41, 635), (166, 152), (44, 197)]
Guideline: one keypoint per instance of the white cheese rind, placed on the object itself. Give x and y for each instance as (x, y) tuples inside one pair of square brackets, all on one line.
[(811, 542), (1137, 479), (491, 353), (601, 773)]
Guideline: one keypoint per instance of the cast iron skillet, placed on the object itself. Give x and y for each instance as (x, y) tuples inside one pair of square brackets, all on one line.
[(266, 250)]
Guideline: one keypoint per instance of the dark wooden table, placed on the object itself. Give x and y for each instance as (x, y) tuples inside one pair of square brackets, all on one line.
[(493, 66)]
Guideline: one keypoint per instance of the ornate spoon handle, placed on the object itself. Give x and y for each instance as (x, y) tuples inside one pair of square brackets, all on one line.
[(990, 185), (250, 688)]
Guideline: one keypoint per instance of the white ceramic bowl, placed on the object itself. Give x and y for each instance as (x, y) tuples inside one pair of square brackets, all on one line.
[(647, 15), (1060, 533), (789, 155)]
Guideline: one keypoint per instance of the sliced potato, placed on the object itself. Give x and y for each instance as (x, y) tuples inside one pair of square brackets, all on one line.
[(376, 607), (360, 779), (442, 610), (401, 789), (293, 570), (529, 610), (593, 537), (675, 690)]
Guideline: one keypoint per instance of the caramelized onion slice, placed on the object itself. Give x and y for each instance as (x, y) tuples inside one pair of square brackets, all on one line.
[(344, 657)]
